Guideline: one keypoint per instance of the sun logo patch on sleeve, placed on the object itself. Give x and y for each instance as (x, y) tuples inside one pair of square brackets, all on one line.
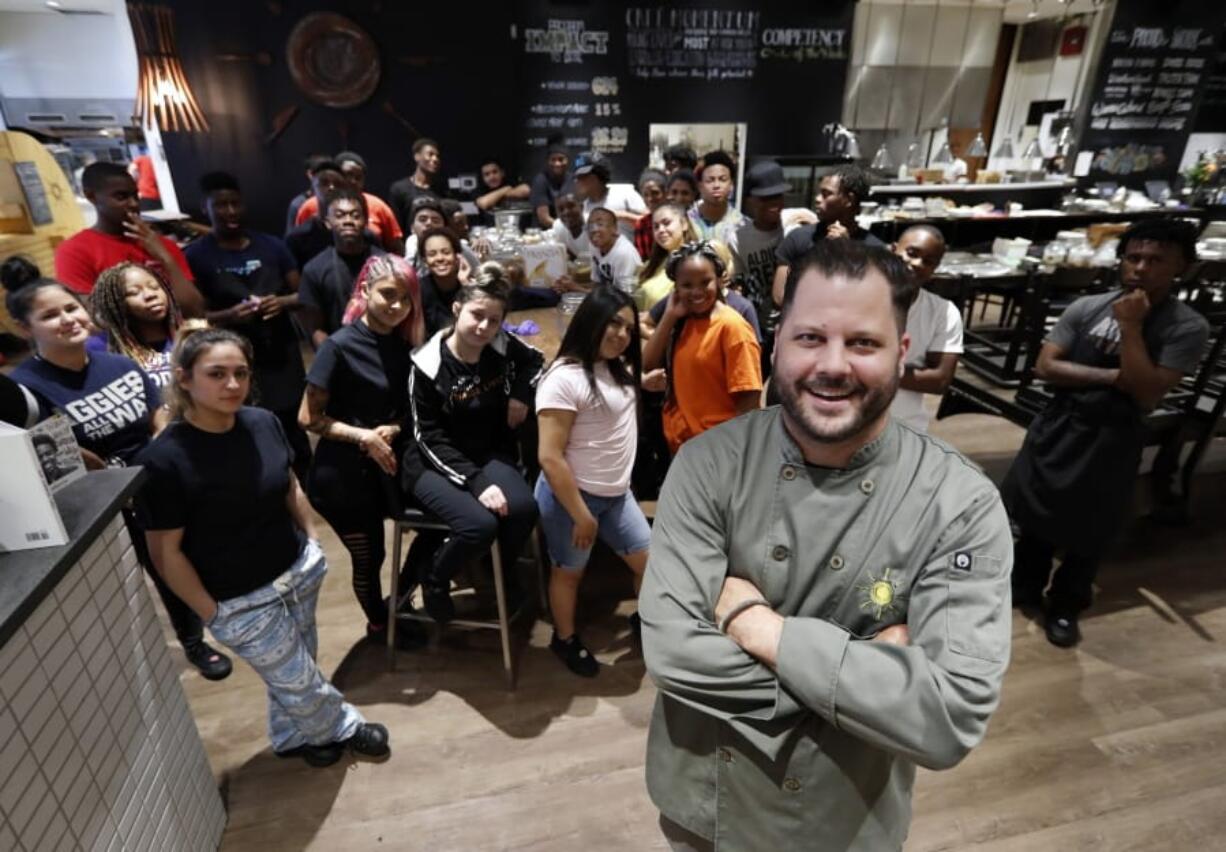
[(881, 595)]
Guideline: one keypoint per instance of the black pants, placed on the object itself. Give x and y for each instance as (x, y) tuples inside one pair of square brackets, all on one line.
[(652, 460), (474, 527), (188, 627), (352, 495), (1072, 587)]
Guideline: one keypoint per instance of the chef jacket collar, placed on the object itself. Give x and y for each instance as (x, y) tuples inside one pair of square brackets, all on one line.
[(863, 457)]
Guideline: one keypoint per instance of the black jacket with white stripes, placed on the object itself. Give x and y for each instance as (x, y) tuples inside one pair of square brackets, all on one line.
[(458, 411)]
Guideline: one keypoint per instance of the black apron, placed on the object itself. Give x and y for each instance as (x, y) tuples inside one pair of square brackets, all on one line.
[(278, 370), (1071, 484)]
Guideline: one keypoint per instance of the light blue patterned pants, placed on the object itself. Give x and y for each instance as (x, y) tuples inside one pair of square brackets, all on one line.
[(273, 629)]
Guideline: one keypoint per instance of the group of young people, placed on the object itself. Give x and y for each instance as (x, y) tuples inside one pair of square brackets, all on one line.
[(415, 392)]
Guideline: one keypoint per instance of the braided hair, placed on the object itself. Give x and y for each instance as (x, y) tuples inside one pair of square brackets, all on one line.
[(110, 310), (702, 248)]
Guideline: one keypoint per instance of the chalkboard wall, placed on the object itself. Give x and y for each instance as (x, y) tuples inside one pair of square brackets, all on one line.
[(597, 75), (1151, 84)]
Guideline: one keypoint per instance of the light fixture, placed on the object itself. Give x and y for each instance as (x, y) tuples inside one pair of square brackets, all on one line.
[(163, 96), (1034, 10), (1004, 150), (978, 147), (944, 156), (53, 4), (882, 161), (1033, 151), (915, 156)]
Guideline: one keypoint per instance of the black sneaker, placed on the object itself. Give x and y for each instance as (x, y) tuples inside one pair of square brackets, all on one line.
[(410, 635), (211, 663), (438, 602), (370, 739), (315, 755), (1062, 630), (576, 657)]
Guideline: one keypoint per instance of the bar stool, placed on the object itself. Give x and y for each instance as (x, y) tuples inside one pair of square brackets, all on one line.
[(414, 519)]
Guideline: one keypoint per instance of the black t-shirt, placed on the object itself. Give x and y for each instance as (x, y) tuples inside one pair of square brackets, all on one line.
[(436, 304), (798, 243), (544, 190), (327, 284), (402, 194), (228, 493), (366, 376), (226, 278)]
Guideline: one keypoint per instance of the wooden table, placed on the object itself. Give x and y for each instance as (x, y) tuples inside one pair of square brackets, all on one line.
[(549, 338)]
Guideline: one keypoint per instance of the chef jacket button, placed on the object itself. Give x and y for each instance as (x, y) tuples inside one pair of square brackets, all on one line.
[(791, 785), (779, 553), (867, 486), (725, 755), (836, 563), (789, 472)]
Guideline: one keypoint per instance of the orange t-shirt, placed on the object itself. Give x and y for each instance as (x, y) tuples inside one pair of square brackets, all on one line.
[(380, 218), (715, 357)]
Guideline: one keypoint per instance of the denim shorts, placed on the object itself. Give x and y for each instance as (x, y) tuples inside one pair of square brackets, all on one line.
[(620, 524)]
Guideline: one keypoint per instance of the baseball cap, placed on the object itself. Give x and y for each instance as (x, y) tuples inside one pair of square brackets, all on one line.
[(765, 178), (589, 163)]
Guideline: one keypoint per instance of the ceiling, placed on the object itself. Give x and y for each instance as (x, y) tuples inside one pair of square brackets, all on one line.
[(106, 6)]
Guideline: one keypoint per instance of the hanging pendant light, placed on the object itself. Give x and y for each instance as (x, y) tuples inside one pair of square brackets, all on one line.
[(944, 156), (978, 147), (915, 156), (1004, 150), (882, 161), (163, 95), (1033, 151)]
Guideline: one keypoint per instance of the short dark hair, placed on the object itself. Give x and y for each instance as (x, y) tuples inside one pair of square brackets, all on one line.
[(312, 162), (423, 142), (44, 440), (216, 181), (326, 164), (344, 193), (485, 161), (1169, 231), (450, 208), (653, 176), (685, 176), (717, 158), (603, 211), (426, 202), (853, 259), (682, 155), (853, 180), (930, 230), (350, 157), (446, 233), (97, 174)]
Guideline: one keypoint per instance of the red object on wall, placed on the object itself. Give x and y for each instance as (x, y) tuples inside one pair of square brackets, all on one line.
[(1073, 40)]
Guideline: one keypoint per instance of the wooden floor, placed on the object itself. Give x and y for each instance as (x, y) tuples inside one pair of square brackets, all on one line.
[(1118, 745)]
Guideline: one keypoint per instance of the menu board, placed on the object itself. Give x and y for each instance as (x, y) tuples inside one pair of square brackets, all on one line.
[(1150, 85), (1212, 115), (597, 75)]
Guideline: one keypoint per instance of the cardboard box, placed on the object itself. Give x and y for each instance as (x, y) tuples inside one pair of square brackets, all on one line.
[(544, 263), (29, 517)]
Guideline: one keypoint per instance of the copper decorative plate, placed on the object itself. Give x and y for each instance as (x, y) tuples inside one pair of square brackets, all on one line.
[(333, 60)]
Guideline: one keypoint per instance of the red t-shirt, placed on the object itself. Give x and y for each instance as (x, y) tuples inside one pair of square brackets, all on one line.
[(380, 219), (146, 179), (81, 258)]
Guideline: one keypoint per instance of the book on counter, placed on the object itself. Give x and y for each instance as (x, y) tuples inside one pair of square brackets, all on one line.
[(34, 463)]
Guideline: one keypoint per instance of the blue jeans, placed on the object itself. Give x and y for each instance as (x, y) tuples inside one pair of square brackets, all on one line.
[(273, 629)]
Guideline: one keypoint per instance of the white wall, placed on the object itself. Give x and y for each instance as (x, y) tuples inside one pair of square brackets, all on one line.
[(1201, 143), (47, 55), (1061, 77)]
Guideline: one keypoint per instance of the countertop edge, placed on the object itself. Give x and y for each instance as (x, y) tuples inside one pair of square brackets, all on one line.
[(86, 507)]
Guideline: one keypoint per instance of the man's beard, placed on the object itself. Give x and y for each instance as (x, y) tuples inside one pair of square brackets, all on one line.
[(873, 401)]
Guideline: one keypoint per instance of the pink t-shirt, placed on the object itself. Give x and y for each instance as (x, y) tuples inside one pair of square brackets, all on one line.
[(604, 436)]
